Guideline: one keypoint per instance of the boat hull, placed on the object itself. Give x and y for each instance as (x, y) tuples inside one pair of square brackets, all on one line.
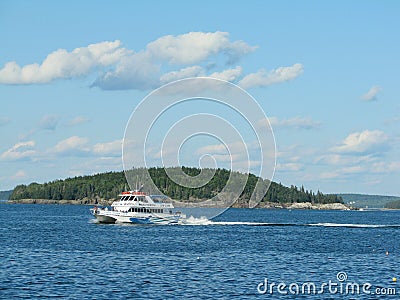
[(137, 218), (105, 219), (154, 220)]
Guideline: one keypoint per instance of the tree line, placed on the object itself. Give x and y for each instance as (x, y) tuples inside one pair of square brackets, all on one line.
[(157, 180), (393, 204)]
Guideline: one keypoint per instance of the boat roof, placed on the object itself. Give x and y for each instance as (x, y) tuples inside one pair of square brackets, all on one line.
[(133, 193)]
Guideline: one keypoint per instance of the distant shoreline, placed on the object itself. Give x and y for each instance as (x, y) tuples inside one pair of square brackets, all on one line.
[(60, 202), (262, 205)]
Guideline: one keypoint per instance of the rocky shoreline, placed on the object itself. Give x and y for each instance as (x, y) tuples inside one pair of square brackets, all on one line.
[(306, 205), (263, 205), (63, 202)]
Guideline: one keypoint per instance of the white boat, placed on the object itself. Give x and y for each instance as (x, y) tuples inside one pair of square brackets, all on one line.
[(139, 208)]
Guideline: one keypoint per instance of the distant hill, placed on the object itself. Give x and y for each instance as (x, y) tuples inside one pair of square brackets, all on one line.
[(107, 186), (393, 204), (4, 195), (368, 201)]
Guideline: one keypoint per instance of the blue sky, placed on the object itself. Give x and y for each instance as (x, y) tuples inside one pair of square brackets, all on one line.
[(325, 74)]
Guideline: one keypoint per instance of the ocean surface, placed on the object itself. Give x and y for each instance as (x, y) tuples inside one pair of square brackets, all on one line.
[(57, 251)]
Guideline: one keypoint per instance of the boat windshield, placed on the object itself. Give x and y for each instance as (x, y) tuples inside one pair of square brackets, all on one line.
[(142, 199)]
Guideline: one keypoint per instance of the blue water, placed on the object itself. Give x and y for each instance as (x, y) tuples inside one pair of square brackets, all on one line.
[(58, 251)]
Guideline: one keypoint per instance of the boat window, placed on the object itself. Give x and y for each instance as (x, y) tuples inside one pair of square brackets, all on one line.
[(131, 198)]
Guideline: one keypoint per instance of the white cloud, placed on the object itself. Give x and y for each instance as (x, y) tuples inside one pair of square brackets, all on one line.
[(329, 175), (372, 94), (136, 71), (73, 145), (243, 157), (78, 120), (391, 121), (64, 64), (119, 68), (194, 47), (264, 78), (95, 165), (4, 121), (352, 170), (232, 148), (292, 158), (344, 159), (19, 175), (363, 142), (213, 149), (49, 122), (385, 167), (379, 167), (230, 75), (141, 70), (288, 167), (343, 172), (296, 123), (113, 148), (22, 150), (193, 71)]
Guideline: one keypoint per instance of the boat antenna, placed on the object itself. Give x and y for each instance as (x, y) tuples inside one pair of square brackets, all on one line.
[(137, 182)]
